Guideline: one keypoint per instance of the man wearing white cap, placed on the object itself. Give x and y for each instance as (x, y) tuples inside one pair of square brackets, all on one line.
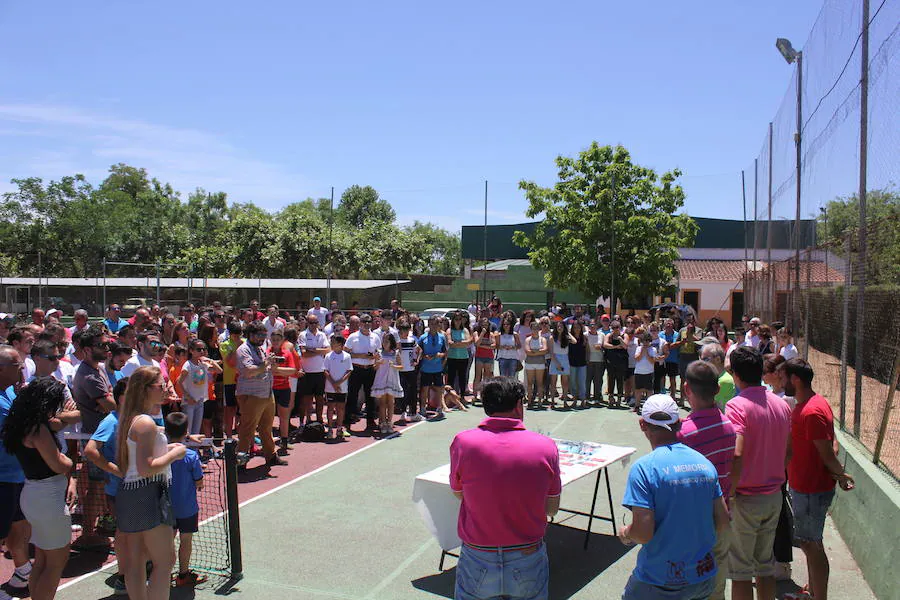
[(320, 311), (677, 507)]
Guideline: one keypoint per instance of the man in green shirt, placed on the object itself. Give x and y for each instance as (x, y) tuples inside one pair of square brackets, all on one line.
[(715, 356)]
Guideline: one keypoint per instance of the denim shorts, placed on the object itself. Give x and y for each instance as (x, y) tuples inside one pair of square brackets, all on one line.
[(563, 365), (508, 574), (809, 514), (636, 589)]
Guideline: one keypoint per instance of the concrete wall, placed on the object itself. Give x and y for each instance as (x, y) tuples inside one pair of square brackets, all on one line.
[(867, 519), (715, 298)]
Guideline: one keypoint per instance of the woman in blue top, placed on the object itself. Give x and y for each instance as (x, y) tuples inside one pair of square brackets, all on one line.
[(458, 354)]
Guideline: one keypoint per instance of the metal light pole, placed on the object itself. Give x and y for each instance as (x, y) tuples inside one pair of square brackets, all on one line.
[(484, 250), (330, 246), (824, 211), (791, 56)]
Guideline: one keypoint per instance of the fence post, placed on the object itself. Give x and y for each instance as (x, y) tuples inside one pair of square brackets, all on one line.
[(886, 415), (845, 327), (233, 510), (806, 314)]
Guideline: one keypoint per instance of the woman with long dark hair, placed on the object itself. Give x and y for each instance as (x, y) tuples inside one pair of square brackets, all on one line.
[(143, 507), (559, 362), (578, 364), (27, 435), (507, 344)]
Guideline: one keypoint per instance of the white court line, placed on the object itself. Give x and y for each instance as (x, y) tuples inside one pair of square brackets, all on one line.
[(115, 562)]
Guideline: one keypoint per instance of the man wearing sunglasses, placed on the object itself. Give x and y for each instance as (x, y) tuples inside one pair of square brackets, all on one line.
[(112, 320), (46, 364), (93, 395), (149, 350)]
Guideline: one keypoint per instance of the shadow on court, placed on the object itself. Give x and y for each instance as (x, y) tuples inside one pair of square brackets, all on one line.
[(571, 567)]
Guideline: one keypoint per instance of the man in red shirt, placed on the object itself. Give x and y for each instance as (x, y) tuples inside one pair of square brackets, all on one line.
[(508, 479), (813, 469)]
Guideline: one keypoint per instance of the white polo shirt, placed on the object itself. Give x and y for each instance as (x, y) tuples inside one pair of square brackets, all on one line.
[(312, 341), (358, 343)]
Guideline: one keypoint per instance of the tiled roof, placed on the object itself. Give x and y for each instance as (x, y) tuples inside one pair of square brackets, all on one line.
[(710, 270), (733, 271)]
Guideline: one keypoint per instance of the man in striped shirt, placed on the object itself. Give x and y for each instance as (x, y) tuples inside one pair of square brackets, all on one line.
[(710, 433)]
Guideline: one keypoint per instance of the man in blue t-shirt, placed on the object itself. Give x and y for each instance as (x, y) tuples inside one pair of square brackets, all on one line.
[(13, 525), (677, 507), (672, 354), (434, 351)]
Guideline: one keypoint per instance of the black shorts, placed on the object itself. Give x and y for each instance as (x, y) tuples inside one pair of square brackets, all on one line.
[(643, 382), (671, 369), (335, 397), (229, 391), (282, 397), (432, 380), (10, 511), (312, 384), (188, 524), (209, 409)]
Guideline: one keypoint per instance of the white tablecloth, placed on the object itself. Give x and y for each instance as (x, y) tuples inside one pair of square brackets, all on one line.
[(439, 508)]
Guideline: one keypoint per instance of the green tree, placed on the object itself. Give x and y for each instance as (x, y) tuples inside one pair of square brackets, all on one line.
[(440, 251), (610, 226), (883, 232), (361, 207)]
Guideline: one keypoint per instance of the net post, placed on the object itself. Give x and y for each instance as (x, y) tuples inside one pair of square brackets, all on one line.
[(233, 510)]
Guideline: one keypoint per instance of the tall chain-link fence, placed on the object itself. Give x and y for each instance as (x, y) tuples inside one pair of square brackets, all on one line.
[(824, 257)]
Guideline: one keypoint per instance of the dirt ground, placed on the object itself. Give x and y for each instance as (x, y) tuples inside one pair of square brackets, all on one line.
[(874, 397)]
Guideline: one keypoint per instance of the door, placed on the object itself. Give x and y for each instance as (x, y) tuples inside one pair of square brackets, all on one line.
[(691, 298), (737, 308)]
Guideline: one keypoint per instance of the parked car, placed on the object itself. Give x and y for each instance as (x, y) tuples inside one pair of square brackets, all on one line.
[(443, 312), (132, 304)]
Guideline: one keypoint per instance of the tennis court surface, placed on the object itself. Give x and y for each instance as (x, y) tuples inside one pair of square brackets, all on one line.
[(349, 530)]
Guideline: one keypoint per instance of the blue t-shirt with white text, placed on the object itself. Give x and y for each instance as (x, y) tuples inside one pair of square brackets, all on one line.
[(680, 486)]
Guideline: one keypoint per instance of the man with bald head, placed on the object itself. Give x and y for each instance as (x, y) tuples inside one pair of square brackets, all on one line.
[(13, 525)]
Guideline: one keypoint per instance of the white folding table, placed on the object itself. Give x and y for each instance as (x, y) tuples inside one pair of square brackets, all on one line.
[(439, 508)]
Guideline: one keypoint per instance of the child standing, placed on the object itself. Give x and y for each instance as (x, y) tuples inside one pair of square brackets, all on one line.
[(180, 357), (194, 379), (387, 386), (644, 365), (338, 367), (187, 479)]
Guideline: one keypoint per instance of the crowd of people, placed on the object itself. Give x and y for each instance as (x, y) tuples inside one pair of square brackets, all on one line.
[(724, 494), (223, 372)]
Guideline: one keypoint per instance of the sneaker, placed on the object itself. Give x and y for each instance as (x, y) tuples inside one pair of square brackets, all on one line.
[(119, 586), (403, 419), (417, 418), (345, 433), (189, 579), (276, 461), (782, 571), (18, 581), (243, 458)]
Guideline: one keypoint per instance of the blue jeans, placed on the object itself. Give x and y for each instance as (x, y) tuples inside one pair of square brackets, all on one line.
[(810, 511), (636, 589), (511, 575), (508, 367), (578, 382)]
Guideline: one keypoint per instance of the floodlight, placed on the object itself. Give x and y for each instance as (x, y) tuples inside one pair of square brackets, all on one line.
[(787, 50)]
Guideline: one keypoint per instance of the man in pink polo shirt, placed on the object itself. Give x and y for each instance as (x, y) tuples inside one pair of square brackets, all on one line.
[(762, 422), (509, 482)]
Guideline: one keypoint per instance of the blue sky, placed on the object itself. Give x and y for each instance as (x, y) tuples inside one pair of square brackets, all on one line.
[(273, 102)]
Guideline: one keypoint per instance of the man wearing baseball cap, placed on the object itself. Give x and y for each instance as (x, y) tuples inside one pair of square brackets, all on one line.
[(318, 310), (677, 507)]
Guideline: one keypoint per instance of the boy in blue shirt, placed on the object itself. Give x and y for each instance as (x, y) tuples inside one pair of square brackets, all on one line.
[(101, 452), (187, 480), (677, 508), (431, 369)]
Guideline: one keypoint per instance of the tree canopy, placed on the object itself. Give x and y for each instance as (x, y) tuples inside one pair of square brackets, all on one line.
[(132, 217), (883, 232), (610, 226)]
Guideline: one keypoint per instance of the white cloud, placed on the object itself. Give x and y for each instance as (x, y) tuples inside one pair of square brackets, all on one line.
[(88, 143)]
